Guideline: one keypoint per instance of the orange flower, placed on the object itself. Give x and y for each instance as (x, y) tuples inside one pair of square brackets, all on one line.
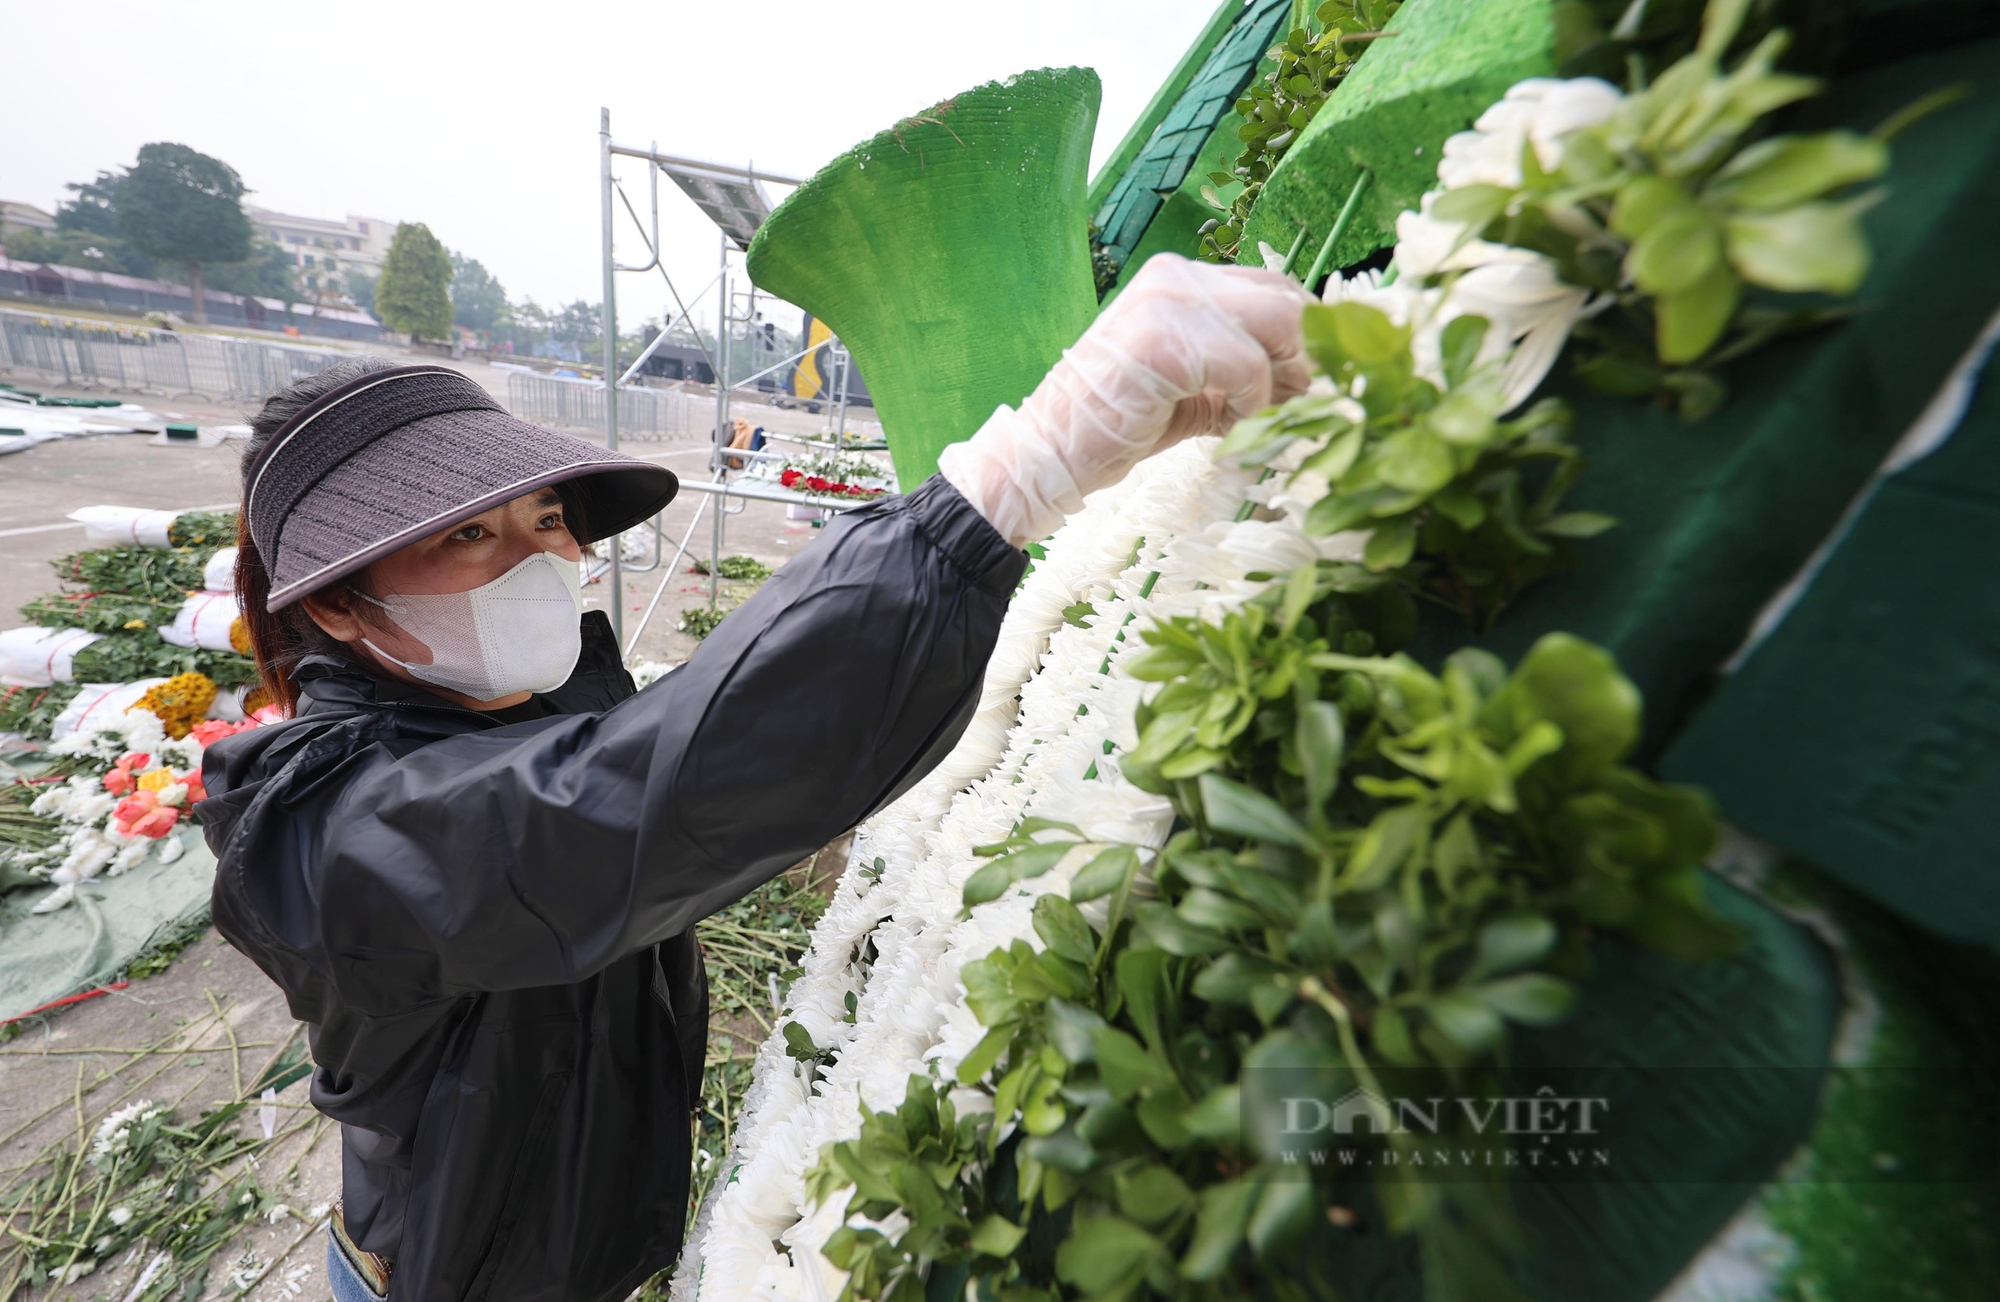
[(142, 814)]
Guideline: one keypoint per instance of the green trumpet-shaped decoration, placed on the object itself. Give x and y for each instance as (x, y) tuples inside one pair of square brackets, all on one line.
[(950, 253)]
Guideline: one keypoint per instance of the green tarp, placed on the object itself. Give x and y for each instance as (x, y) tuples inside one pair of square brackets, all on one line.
[(112, 921), (1864, 732)]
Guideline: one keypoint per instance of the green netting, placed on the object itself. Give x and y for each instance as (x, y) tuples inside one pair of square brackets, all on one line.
[(1865, 732), (950, 253), (1156, 204), (1448, 61), (112, 921), (1714, 517)]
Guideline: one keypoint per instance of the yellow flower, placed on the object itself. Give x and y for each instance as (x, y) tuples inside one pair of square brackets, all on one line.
[(239, 636), (135, 623), (181, 702), (156, 779)]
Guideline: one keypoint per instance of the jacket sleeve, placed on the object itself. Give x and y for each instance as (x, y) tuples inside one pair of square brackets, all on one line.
[(538, 853)]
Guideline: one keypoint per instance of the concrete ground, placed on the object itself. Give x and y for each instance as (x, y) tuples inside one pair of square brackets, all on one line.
[(194, 1037), (169, 1038)]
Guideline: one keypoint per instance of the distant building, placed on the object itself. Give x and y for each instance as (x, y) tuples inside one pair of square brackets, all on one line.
[(323, 249), (24, 214)]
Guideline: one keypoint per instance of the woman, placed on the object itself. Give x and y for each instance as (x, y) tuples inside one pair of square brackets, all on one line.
[(474, 857)]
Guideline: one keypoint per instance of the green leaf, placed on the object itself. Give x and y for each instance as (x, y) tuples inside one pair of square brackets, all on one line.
[(1466, 416), (1675, 252), (1814, 246), (1391, 1035), (1299, 591), (1390, 545), (1416, 460), (1104, 1252), (996, 1236), (1465, 1021), (1461, 506), (1692, 320), (1385, 846), (1321, 741), (1786, 170), (1510, 943), (988, 883), (1720, 22), (1234, 808), (1577, 524), (987, 1052), (1534, 998), (1337, 457), (1103, 873), (1152, 1195), (1644, 202), (1577, 687), (1472, 205), (1286, 1208), (1072, 1029), (1125, 1065), (1219, 1117), (1218, 1231), (1230, 978), (1064, 931), (1206, 908), (992, 881), (1460, 344), (1365, 334), (799, 1043), (1142, 980)]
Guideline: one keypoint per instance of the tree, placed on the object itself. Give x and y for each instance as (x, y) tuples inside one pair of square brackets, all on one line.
[(267, 273), (360, 288), (79, 248), (478, 301), (179, 205), (92, 210), (413, 293)]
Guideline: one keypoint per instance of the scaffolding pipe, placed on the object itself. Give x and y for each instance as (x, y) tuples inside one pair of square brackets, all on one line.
[(610, 325)]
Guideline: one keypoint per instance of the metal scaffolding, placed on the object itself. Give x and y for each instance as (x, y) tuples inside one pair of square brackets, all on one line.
[(734, 199)]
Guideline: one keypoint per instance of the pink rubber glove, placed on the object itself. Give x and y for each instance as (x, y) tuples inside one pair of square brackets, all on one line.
[(1187, 349)]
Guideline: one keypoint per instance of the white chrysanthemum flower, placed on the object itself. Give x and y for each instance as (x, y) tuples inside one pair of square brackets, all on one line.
[(114, 1134), (1540, 111)]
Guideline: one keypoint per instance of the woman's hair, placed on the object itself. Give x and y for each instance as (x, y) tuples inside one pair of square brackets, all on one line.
[(280, 639)]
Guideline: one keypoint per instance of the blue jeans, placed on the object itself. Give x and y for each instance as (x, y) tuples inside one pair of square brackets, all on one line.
[(346, 1282)]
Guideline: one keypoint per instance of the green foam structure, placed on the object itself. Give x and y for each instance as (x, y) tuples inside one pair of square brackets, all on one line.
[(950, 254), (1448, 61)]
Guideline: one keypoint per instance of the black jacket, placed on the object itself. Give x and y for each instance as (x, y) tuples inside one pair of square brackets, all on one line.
[(488, 927)]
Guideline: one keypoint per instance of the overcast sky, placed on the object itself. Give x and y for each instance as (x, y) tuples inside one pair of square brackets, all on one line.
[(481, 119)]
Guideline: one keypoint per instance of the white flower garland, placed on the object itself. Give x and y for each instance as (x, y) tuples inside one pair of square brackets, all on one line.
[(1053, 699)]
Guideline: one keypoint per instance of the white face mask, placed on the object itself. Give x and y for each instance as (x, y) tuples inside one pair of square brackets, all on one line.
[(518, 633)]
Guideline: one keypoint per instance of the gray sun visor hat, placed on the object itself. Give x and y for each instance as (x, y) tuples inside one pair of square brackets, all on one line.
[(394, 456)]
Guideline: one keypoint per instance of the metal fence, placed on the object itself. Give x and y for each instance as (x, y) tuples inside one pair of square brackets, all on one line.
[(643, 414), (98, 354)]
